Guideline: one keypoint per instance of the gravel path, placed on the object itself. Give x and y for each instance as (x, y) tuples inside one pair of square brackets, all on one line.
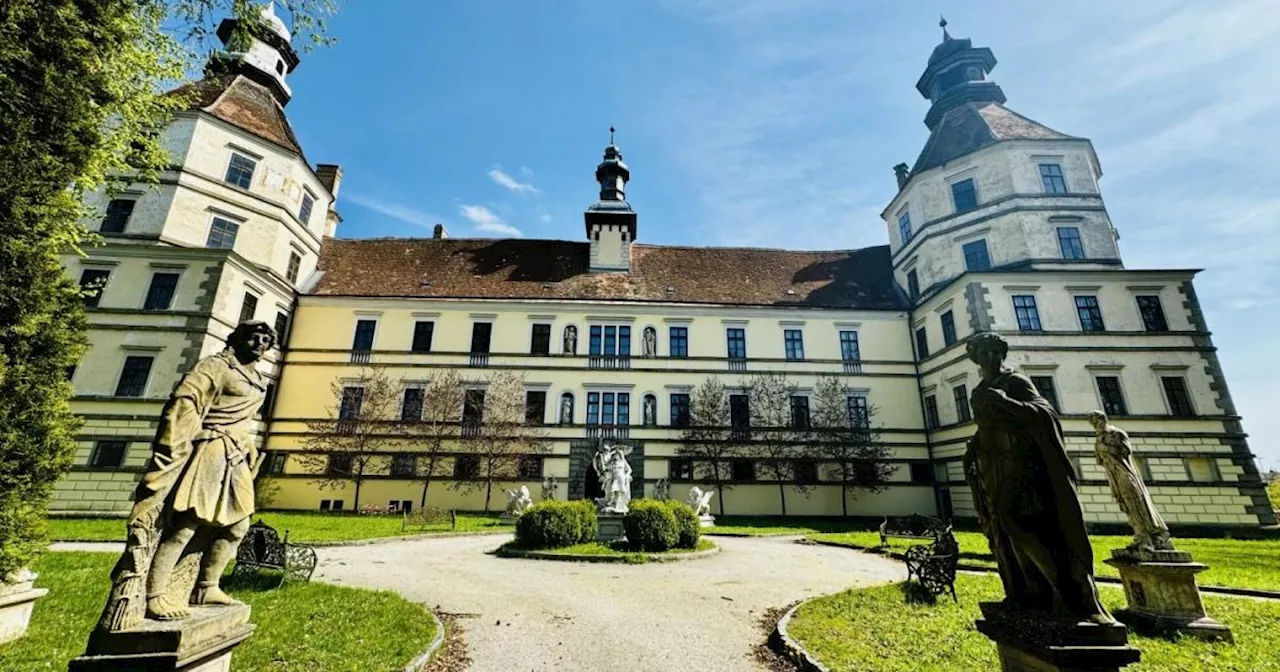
[(542, 615)]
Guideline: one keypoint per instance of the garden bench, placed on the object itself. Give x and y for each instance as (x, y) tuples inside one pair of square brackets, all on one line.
[(262, 548), (914, 526), (934, 565), (429, 515)]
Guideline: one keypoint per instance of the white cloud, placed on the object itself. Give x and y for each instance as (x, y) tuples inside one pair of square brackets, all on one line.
[(506, 181), (403, 213), (488, 222)]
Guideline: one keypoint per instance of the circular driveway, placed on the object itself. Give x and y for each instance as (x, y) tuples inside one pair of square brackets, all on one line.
[(541, 615)]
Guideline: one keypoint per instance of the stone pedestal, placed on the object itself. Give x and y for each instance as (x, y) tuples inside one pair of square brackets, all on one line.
[(609, 527), (1163, 597), (201, 642), (508, 519), (706, 520), (17, 598), (1029, 641)]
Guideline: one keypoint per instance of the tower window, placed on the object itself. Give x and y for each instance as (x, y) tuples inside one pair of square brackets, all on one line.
[(222, 234), (160, 293), (1069, 242), (92, 282), (1051, 177), (108, 454), (922, 343), (279, 67), (961, 395), (295, 264), (1152, 313), (1090, 313), (249, 308), (1175, 392), (1112, 398), (904, 227), (118, 212), (282, 326), (976, 257), (1024, 309), (913, 284), (965, 195), (931, 412), (1044, 385), (304, 212), (133, 377), (948, 328), (240, 170)]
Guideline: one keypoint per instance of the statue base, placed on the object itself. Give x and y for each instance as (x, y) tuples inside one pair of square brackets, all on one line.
[(1033, 641), (1163, 597), (609, 527), (17, 598), (202, 642), (508, 519), (706, 520)]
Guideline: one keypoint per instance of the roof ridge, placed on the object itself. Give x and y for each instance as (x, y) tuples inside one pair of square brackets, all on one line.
[(1027, 119), (755, 249)]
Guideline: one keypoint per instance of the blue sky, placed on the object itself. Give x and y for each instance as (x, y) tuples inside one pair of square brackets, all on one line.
[(776, 123)]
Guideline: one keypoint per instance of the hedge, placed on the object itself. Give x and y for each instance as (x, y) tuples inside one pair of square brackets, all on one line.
[(554, 524), (688, 526), (651, 526)]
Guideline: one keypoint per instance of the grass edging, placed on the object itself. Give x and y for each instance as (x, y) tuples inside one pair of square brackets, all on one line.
[(789, 648), (508, 551), (424, 658), (1220, 590)]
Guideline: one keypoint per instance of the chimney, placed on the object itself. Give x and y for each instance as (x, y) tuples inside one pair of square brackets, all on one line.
[(900, 171), (439, 232), (330, 176)]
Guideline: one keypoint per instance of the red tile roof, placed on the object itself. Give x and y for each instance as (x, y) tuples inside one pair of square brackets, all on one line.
[(558, 269), (243, 103)]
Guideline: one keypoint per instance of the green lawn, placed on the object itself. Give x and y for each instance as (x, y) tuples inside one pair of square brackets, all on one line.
[(305, 527), (311, 626), (618, 550), (769, 526), (1235, 563), (891, 629)]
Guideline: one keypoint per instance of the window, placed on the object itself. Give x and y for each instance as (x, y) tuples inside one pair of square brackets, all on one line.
[(274, 462), (948, 328), (921, 473), (608, 408), (308, 202), (742, 469), (1201, 469), (904, 227), (737, 342), (593, 408), (481, 333), (352, 401), (249, 307), (961, 395), (411, 408), (859, 411), (133, 377), (1044, 385), (1152, 313), (680, 469), (624, 409), (1112, 399), (679, 346), (422, 333), (1069, 242), (535, 407), (913, 284), (1051, 178), (466, 466), (108, 454), (540, 341), (363, 341), (281, 326), (806, 471), (222, 234), (1024, 309), (1090, 313), (610, 340), (800, 412), (268, 401), (332, 504), (739, 416), (403, 465), (965, 195), (975, 256), (118, 212), (529, 467), (1175, 392), (679, 410), (240, 170), (340, 464), (1144, 468), (922, 343), (472, 411), (793, 340), (931, 412), (295, 263), (92, 282)]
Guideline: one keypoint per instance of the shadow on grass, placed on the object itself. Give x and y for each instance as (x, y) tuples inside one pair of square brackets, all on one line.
[(914, 593), (257, 582)]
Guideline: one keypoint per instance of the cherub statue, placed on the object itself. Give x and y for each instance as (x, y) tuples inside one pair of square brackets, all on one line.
[(700, 501), (518, 501), (662, 489), (615, 475), (1115, 455)]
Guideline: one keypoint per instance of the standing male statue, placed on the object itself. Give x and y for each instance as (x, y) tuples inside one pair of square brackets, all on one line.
[(1116, 457), (197, 494), (1024, 492)]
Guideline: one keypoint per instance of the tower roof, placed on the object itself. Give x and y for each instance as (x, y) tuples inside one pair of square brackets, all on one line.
[(243, 103), (972, 126)]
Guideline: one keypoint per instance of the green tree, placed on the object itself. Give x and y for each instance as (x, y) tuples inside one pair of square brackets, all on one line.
[(81, 110), (848, 441), (780, 436), (708, 442)]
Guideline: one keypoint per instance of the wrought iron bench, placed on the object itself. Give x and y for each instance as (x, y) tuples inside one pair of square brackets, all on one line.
[(934, 565), (429, 515), (914, 526), (262, 548)]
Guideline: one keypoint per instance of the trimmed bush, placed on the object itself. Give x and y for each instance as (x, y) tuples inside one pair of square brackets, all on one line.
[(688, 527), (554, 524), (651, 526)]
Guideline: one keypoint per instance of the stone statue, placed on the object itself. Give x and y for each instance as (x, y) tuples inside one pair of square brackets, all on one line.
[(650, 342), (1116, 457), (650, 411), (549, 487), (196, 497), (566, 409), (615, 475), (570, 340), (518, 501), (1025, 492), (700, 501), (662, 490)]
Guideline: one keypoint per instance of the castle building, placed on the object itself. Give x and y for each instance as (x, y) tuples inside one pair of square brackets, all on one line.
[(998, 226)]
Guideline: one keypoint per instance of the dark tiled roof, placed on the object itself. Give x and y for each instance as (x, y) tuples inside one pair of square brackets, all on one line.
[(244, 103), (972, 126), (558, 269)]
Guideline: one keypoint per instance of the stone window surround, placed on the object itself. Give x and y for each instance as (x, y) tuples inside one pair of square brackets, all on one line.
[(164, 267), (139, 351), (1110, 370)]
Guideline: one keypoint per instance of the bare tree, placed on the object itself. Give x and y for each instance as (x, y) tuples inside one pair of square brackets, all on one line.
[(432, 426), (845, 436), (779, 432), (495, 432), (708, 440), (344, 448)]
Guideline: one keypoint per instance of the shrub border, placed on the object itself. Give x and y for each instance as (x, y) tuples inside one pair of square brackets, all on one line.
[(424, 658), (506, 551), (782, 643)]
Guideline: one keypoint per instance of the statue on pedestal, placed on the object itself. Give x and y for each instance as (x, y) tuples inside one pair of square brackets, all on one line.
[(1115, 455), (570, 340), (518, 501), (611, 467), (650, 342), (700, 501), (650, 410)]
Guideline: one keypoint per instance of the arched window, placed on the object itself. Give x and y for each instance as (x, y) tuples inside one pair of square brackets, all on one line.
[(566, 408)]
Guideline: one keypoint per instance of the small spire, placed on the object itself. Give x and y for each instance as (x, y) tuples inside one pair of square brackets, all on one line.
[(611, 135), (942, 23)]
